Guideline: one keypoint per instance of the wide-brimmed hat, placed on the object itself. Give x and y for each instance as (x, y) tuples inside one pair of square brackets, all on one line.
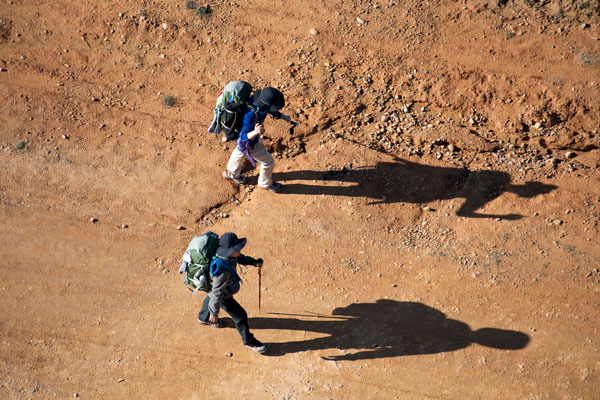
[(229, 243), (269, 98)]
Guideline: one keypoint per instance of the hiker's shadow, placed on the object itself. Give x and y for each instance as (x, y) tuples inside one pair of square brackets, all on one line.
[(386, 328), (410, 182)]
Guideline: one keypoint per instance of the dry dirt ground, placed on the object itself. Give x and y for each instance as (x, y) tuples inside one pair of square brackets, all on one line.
[(436, 238)]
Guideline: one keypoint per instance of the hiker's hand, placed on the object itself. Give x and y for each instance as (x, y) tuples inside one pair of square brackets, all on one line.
[(258, 130), (213, 319), (259, 263)]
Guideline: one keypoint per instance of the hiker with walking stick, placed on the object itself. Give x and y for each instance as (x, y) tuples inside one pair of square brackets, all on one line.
[(225, 283)]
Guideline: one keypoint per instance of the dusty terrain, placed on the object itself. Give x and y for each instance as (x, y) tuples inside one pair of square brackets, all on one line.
[(436, 238)]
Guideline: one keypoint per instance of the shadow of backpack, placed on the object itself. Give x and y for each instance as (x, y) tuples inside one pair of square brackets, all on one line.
[(230, 109), (196, 262)]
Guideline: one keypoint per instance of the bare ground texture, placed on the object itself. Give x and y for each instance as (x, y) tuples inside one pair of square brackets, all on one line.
[(436, 237)]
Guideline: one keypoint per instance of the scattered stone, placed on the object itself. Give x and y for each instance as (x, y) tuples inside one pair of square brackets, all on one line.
[(314, 32), (120, 380), (165, 26), (570, 154), (162, 55), (93, 220), (3, 70), (123, 226), (360, 20), (65, 136), (557, 222), (75, 394), (385, 118), (228, 354), (181, 228)]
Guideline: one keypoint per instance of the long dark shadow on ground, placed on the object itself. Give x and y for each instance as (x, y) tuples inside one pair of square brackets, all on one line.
[(386, 328), (410, 182)]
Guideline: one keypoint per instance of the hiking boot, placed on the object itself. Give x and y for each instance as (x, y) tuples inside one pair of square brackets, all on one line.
[(240, 180), (256, 346), (275, 187), (219, 324)]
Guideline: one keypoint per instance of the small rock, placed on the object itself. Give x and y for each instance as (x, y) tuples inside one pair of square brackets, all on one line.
[(120, 380), (360, 20), (385, 118), (570, 154), (313, 31), (228, 354), (557, 222), (162, 56), (123, 226), (181, 228), (75, 394), (94, 220), (165, 26), (3, 70), (65, 136)]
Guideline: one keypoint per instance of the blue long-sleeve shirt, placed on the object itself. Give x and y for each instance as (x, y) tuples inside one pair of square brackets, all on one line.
[(253, 116)]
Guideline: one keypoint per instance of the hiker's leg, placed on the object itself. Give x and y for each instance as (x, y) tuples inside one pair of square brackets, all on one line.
[(236, 162), (240, 318), (204, 313), (267, 163)]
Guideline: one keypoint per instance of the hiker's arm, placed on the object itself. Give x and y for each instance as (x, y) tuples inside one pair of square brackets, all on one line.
[(245, 260), (280, 115), (248, 126), (217, 294)]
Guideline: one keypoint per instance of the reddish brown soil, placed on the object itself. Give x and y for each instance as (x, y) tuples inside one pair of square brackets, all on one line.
[(436, 238)]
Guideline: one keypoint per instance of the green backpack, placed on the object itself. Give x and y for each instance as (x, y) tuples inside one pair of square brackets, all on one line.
[(196, 262), (230, 109)]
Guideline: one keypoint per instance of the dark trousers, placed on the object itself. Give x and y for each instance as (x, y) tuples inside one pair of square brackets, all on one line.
[(237, 313)]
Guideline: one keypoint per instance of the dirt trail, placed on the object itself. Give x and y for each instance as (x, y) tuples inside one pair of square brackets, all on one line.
[(436, 238)]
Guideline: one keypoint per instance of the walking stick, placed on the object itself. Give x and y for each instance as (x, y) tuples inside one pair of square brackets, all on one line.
[(259, 284)]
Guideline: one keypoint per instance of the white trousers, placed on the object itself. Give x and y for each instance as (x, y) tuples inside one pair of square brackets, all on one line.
[(261, 156)]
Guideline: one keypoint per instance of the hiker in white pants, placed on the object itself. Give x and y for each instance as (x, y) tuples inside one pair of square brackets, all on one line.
[(249, 144), (262, 156)]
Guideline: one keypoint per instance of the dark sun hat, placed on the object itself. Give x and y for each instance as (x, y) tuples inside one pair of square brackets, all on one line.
[(229, 243), (269, 98)]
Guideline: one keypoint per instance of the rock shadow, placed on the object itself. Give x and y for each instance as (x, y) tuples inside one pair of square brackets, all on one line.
[(386, 328), (410, 182)]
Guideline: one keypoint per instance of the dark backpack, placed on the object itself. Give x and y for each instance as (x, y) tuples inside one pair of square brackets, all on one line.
[(233, 119), (196, 262)]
